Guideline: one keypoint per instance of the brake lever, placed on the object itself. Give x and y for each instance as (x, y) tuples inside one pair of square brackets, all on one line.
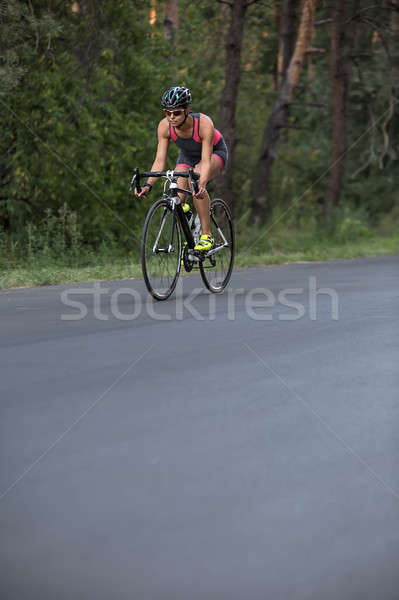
[(135, 179)]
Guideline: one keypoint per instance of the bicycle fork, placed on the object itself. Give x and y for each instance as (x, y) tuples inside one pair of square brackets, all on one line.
[(167, 250), (184, 225)]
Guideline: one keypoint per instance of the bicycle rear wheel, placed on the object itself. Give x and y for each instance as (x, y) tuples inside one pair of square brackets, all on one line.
[(216, 269), (161, 250)]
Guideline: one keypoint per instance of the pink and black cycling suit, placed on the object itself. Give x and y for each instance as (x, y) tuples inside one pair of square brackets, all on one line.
[(191, 148)]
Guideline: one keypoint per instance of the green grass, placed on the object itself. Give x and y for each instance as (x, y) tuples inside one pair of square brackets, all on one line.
[(305, 247), (35, 274), (254, 248)]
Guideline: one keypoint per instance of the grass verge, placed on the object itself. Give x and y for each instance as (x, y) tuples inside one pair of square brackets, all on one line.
[(279, 248)]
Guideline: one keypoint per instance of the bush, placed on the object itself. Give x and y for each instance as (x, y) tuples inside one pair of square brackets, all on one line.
[(350, 224)]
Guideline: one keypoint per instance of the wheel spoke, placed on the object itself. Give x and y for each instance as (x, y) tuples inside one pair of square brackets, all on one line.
[(216, 269), (160, 251)]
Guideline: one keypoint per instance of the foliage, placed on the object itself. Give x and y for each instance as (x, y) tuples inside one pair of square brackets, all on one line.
[(75, 122), (79, 96)]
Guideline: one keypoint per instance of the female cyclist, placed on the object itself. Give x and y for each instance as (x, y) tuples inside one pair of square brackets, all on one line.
[(201, 147)]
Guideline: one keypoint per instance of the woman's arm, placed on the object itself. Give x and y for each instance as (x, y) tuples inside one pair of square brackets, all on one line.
[(207, 133), (160, 157)]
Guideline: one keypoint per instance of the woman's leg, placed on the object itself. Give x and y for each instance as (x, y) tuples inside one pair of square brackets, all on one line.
[(203, 204), (182, 182)]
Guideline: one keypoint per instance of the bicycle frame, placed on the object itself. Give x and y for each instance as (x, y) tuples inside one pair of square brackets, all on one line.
[(182, 219), (178, 210), (172, 195)]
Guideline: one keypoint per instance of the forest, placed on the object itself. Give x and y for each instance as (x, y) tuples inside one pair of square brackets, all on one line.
[(304, 91)]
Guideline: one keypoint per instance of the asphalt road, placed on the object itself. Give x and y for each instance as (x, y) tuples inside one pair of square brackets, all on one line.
[(240, 447)]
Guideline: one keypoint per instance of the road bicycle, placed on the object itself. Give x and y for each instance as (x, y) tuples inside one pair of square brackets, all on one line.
[(164, 251)]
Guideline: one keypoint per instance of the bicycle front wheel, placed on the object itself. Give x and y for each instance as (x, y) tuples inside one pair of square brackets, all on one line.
[(216, 269), (161, 250)]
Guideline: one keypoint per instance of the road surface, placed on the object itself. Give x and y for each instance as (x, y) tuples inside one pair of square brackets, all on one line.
[(243, 446)]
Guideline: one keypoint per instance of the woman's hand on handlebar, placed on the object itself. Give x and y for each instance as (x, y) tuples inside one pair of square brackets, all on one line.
[(142, 194), (201, 190), (144, 191)]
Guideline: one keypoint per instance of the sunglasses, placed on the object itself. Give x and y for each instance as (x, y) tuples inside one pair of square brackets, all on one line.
[(173, 113)]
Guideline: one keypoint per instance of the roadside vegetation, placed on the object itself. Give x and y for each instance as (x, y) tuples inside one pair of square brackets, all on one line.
[(54, 252), (305, 93)]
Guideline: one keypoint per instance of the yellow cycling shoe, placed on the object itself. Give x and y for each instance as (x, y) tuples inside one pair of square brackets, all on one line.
[(205, 243)]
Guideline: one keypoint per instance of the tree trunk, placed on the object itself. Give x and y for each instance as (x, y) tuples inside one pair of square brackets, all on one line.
[(387, 127), (278, 117), (394, 43), (341, 69), (171, 21), (286, 38), (227, 110), (152, 19), (87, 42), (287, 34)]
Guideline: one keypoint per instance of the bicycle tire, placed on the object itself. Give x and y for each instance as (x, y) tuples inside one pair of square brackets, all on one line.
[(161, 269), (216, 276)]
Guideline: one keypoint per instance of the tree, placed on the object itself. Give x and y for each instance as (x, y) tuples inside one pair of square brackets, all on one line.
[(26, 39), (278, 117), (286, 38), (228, 103), (170, 32), (341, 61), (74, 123), (171, 21)]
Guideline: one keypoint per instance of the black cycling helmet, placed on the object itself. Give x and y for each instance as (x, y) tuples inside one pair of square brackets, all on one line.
[(176, 97)]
